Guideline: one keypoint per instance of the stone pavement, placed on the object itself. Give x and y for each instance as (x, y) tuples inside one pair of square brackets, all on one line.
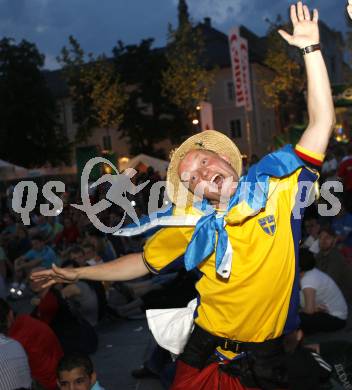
[(123, 346)]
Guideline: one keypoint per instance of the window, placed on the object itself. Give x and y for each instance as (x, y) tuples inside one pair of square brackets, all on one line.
[(230, 91), (236, 128), (107, 142)]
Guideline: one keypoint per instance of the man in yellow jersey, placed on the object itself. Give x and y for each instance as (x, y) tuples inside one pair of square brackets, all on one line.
[(244, 243)]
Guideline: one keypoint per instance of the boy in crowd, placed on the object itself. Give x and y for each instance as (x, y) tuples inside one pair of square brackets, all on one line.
[(76, 372)]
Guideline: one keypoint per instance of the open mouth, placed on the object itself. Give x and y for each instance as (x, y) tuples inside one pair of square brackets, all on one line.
[(217, 180)]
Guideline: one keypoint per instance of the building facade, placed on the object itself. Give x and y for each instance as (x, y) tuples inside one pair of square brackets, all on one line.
[(253, 131)]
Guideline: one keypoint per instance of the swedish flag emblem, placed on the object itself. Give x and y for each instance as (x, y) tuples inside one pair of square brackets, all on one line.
[(268, 224)]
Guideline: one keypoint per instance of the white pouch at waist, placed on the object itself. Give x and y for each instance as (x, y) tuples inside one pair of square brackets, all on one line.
[(171, 328)]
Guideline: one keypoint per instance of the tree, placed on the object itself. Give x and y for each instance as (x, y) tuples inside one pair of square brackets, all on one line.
[(348, 47), (29, 130), (284, 90), (95, 88), (149, 117), (186, 81)]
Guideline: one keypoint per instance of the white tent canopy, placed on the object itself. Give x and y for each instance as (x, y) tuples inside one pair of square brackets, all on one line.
[(157, 164), (7, 165), (8, 169)]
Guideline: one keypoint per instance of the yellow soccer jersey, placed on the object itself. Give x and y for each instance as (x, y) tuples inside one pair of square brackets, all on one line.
[(259, 300)]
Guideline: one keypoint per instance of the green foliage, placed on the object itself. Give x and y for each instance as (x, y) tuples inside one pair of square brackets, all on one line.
[(186, 81), (95, 88), (107, 93), (149, 117), (284, 90), (29, 130), (73, 59), (348, 46)]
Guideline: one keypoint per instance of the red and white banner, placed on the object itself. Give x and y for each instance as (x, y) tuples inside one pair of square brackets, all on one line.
[(206, 116), (240, 69)]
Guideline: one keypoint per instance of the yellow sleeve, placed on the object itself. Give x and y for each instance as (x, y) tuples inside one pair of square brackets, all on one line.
[(165, 247)]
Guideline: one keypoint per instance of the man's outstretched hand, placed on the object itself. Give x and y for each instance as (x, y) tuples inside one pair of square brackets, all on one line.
[(305, 27), (349, 8), (55, 275)]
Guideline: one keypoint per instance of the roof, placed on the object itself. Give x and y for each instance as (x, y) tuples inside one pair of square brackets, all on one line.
[(56, 82), (7, 165), (217, 52), (156, 163)]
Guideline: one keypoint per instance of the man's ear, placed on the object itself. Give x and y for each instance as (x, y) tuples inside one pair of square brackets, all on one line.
[(93, 378)]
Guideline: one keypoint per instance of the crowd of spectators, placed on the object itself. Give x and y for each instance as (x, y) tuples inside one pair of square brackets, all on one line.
[(61, 325), (61, 320), (326, 261)]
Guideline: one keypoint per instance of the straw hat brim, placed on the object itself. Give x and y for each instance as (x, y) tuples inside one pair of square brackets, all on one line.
[(207, 140)]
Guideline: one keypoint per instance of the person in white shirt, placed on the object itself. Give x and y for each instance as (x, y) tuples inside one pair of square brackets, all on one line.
[(14, 367), (324, 308)]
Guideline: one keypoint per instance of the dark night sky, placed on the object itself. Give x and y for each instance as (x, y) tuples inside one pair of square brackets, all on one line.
[(98, 24)]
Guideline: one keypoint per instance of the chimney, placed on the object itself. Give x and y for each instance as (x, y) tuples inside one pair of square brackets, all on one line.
[(207, 21)]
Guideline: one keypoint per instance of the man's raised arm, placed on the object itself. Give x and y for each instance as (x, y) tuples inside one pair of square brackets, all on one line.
[(349, 8), (124, 268), (320, 104)]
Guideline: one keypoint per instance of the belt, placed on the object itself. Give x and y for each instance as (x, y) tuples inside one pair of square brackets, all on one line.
[(237, 346), (244, 346)]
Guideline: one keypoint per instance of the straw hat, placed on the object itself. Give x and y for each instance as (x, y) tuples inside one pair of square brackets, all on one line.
[(207, 140)]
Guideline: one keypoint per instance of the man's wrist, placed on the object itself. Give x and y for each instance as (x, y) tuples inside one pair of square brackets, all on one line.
[(80, 273), (310, 48)]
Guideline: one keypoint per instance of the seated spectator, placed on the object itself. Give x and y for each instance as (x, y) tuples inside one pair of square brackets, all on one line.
[(9, 223), (68, 235), (42, 227), (114, 219), (323, 306), (82, 297), (102, 245), (3, 272), (177, 292), (40, 255), (40, 343), (312, 228), (341, 224), (3, 292), (344, 172), (329, 166), (20, 243), (326, 365), (56, 228), (14, 368), (77, 370), (76, 254), (91, 256), (331, 261), (73, 331)]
